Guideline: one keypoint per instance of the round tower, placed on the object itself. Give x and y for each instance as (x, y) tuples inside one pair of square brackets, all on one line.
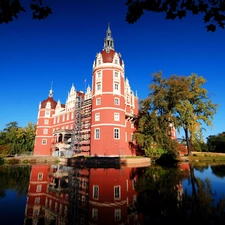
[(43, 139), (108, 102)]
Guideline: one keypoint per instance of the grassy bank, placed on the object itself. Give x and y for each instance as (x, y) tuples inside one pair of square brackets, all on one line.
[(205, 157)]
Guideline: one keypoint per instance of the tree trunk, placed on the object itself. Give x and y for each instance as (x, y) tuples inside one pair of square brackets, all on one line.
[(187, 141)]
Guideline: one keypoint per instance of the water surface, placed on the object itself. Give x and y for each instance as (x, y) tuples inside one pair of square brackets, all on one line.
[(54, 194)]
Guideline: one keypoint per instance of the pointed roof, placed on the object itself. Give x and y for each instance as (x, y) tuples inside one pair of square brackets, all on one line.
[(108, 41)]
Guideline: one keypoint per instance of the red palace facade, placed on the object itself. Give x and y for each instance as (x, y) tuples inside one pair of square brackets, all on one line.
[(99, 122)]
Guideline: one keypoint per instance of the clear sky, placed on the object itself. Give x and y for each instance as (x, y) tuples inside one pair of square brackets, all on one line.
[(63, 47)]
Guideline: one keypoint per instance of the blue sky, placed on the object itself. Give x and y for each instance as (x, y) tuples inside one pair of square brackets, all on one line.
[(62, 49)]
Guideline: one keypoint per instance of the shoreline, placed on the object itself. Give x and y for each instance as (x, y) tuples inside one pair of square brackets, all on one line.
[(196, 157), (81, 161)]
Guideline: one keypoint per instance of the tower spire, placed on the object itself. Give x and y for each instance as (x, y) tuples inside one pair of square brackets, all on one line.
[(108, 41), (50, 94)]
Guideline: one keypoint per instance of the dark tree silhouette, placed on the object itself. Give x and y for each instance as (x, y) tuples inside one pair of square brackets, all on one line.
[(10, 9), (213, 11)]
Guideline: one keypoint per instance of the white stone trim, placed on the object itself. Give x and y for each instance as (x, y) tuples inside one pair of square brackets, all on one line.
[(111, 108), (108, 93), (107, 124), (108, 65)]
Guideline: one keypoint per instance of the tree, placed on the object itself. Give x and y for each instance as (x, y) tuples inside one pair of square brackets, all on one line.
[(181, 101), (15, 139), (10, 9), (213, 11), (216, 143), (194, 108), (154, 120)]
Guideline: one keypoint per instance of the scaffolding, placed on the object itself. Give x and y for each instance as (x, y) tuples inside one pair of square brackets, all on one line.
[(80, 139)]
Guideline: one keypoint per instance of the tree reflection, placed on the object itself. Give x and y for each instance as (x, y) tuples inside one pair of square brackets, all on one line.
[(218, 170), (162, 199), (14, 178)]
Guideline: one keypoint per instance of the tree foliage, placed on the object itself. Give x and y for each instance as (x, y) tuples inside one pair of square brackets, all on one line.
[(216, 143), (16, 140), (154, 122), (10, 10), (213, 11), (180, 101)]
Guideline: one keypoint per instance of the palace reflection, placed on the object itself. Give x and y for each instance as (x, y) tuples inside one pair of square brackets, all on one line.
[(68, 195)]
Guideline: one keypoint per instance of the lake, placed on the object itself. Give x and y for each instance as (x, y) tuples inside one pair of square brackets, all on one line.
[(56, 194)]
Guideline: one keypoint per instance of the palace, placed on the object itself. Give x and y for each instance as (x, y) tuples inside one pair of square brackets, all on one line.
[(97, 122)]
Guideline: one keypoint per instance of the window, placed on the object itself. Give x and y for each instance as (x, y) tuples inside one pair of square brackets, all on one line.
[(83, 199), (99, 61), (117, 214), (125, 136), (98, 87), (44, 141), (117, 192), (135, 199), (47, 113), (37, 200), (97, 133), (132, 125), (132, 137), (40, 176), (38, 188), (67, 116), (54, 120), (116, 61), (97, 116), (63, 118), (99, 75), (72, 116), (133, 183), (58, 119), (98, 101), (94, 213), (95, 192), (46, 122), (84, 184), (116, 117), (116, 133), (116, 74), (116, 86), (45, 131), (36, 211), (116, 101)]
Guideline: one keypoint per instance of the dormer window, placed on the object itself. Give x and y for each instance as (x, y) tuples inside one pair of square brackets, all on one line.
[(116, 61), (99, 61), (48, 105)]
